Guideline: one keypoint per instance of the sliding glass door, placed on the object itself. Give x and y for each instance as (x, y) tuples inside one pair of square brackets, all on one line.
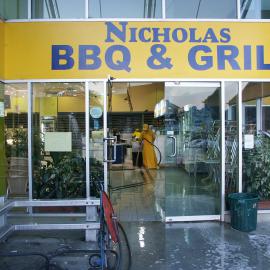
[(193, 160)]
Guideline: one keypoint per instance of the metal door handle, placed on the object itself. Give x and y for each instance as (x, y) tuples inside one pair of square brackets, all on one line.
[(105, 152), (174, 146)]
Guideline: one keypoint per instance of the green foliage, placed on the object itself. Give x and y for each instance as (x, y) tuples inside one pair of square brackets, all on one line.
[(63, 177), (257, 168), (19, 146)]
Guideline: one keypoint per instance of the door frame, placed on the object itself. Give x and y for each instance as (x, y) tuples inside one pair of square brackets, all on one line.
[(220, 216)]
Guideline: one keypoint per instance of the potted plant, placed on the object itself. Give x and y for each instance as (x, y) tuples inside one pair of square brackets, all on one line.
[(256, 168), (17, 151)]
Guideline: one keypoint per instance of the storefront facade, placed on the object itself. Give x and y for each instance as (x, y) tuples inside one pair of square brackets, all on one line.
[(55, 63)]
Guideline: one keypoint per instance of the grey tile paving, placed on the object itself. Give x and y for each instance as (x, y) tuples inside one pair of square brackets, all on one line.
[(155, 245)]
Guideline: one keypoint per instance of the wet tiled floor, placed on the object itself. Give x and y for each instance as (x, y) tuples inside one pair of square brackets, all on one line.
[(182, 246), (164, 192), (139, 203)]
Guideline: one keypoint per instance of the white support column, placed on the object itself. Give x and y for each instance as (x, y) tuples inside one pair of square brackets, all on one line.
[(239, 9), (87, 139), (91, 211), (29, 9), (163, 9), (223, 154), (86, 6), (240, 137)]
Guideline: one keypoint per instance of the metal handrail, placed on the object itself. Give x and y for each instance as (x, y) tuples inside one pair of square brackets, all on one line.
[(5, 230)]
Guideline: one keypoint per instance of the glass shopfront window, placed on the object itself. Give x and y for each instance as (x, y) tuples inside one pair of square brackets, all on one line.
[(125, 9), (13, 9), (255, 9), (58, 9), (256, 141), (266, 114), (58, 136), (16, 138), (201, 9)]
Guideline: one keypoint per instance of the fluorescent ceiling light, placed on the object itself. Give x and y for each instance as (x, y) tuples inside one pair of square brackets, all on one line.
[(193, 84)]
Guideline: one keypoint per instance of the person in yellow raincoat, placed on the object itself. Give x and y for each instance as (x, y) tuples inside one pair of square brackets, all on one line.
[(149, 155)]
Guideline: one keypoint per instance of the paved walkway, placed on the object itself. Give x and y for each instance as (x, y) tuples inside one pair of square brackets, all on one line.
[(182, 246)]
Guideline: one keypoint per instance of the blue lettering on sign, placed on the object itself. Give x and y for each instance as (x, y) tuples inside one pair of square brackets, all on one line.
[(119, 33), (175, 35), (193, 37), (247, 57), (200, 57), (117, 64), (84, 56), (208, 60), (211, 36), (225, 35), (157, 56), (227, 53), (142, 34), (62, 53), (261, 65)]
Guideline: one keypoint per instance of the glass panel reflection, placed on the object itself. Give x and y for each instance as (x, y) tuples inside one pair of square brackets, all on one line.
[(16, 128), (255, 9), (13, 9), (201, 9), (56, 9), (58, 140), (125, 9)]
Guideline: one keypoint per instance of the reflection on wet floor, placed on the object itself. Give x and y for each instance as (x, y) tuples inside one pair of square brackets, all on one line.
[(136, 203), (190, 196), (159, 193), (155, 245)]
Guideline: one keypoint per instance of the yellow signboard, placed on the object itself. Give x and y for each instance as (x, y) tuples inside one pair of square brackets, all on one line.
[(91, 50), (1, 49)]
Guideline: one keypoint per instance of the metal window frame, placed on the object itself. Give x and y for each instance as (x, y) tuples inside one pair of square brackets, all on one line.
[(163, 16), (105, 126), (223, 154), (238, 9), (86, 8), (222, 81), (163, 7), (87, 138), (258, 114), (29, 131), (29, 9), (240, 136)]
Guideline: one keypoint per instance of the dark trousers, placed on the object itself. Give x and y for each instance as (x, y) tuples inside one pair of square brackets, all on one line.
[(134, 159)]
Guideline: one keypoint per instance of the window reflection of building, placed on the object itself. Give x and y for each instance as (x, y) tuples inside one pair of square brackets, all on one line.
[(255, 9)]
